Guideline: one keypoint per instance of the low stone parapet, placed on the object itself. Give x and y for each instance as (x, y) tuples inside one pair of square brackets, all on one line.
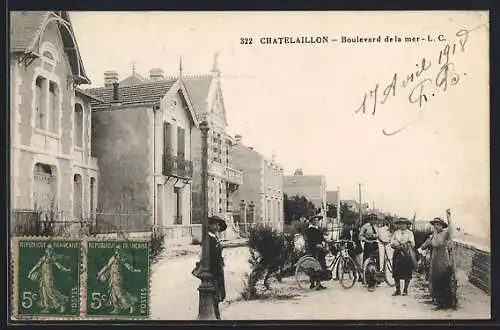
[(475, 260)]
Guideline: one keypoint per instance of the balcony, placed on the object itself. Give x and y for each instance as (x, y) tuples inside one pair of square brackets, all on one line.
[(177, 167), (228, 173)]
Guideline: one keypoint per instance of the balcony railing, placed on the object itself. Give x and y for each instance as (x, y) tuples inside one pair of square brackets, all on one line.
[(177, 167), (228, 173)]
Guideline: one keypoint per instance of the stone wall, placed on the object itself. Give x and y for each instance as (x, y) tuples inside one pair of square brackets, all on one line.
[(476, 262)]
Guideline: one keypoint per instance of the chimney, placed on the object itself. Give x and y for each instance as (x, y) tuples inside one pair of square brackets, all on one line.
[(156, 74), (110, 77), (238, 137), (116, 93)]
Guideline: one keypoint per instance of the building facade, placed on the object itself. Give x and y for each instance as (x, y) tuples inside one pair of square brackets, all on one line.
[(142, 136), (313, 187), (52, 169), (260, 197), (206, 94)]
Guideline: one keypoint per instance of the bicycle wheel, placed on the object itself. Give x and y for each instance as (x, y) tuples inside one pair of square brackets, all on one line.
[(304, 267), (347, 270), (389, 280), (369, 270)]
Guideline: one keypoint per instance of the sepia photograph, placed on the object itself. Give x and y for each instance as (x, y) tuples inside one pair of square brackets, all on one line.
[(263, 165)]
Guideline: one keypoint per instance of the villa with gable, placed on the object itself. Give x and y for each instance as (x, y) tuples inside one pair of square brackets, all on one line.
[(53, 173)]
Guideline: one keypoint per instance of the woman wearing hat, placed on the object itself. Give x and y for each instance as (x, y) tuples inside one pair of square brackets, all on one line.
[(441, 268), (402, 265), (217, 225)]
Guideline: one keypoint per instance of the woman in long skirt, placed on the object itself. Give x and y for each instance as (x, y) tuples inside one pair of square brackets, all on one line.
[(402, 265), (441, 269)]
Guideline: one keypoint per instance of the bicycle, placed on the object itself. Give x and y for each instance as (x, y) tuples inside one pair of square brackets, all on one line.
[(346, 268), (372, 275)]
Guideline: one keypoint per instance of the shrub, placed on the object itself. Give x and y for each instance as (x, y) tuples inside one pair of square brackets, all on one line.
[(266, 258), (272, 254), (157, 245)]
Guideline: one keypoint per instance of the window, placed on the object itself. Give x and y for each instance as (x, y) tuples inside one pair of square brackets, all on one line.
[(41, 111), (181, 146), (49, 60), (77, 196), (45, 187), (78, 125), (166, 139), (53, 107), (178, 206), (92, 198)]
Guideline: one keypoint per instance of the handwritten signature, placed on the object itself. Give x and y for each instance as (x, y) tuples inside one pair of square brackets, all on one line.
[(422, 91)]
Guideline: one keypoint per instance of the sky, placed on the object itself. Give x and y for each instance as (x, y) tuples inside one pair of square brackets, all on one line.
[(299, 101)]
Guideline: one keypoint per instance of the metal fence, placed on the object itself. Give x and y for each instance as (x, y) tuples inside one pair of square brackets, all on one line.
[(37, 223), (50, 223)]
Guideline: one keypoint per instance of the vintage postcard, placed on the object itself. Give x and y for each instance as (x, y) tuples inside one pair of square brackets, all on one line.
[(314, 165)]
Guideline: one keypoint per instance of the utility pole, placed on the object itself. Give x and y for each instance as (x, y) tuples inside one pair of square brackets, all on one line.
[(359, 209)]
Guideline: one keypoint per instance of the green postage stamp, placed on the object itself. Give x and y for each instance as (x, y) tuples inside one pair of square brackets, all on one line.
[(47, 277), (118, 278)]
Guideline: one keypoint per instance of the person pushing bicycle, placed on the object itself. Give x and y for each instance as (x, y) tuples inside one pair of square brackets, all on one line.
[(370, 236), (315, 245)]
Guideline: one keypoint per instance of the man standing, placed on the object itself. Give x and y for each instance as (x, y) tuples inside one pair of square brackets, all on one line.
[(369, 235), (315, 242), (217, 225)]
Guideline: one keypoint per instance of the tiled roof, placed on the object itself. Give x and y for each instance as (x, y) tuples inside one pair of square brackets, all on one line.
[(24, 28), (92, 97), (149, 92), (303, 180), (197, 88)]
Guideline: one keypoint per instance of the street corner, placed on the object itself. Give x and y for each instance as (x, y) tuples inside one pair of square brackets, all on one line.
[(46, 277), (118, 281)]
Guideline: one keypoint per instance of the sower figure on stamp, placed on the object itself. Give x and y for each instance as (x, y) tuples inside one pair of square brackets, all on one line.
[(217, 225), (50, 297), (119, 298)]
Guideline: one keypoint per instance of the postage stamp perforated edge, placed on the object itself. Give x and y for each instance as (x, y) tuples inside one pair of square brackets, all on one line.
[(84, 285), (14, 270)]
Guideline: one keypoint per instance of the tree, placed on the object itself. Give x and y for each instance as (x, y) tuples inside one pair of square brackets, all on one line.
[(297, 207), (331, 210), (348, 216)]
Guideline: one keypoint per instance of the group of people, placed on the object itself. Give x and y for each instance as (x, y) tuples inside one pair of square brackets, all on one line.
[(366, 243), (401, 248)]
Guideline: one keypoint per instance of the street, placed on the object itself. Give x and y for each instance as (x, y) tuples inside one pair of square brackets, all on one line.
[(174, 291), (174, 296)]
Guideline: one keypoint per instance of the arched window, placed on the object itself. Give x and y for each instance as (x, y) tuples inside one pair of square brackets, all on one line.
[(49, 56), (78, 125)]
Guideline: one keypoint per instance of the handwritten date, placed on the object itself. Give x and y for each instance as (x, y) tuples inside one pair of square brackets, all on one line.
[(427, 83)]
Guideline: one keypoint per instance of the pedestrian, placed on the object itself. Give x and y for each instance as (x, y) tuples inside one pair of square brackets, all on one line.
[(368, 234), (315, 244), (217, 225), (402, 265), (385, 235), (441, 269)]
